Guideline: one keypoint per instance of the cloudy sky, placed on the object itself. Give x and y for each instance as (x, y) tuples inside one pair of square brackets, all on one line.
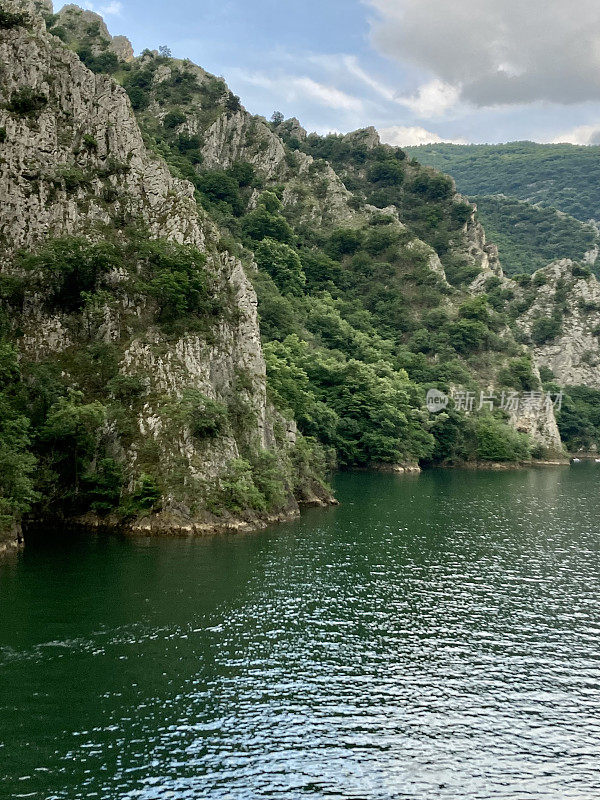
[(419, 70)]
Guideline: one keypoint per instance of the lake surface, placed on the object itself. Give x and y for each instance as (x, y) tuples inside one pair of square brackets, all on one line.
[(435, 637)]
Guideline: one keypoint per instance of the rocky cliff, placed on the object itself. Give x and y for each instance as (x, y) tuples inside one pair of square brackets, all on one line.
[(569, 295), (142, 210), (74, 165)]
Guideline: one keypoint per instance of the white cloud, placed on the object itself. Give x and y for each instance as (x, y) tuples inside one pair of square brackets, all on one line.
[(497, 52), (298, 88), (400, 136), (342, 65), (583, 134), (327, 95), (113, 8), (353, 67), (432, 99)]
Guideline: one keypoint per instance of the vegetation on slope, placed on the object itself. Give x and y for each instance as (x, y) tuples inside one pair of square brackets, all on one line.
[(350, 316), (562, 176), (533, 200), (579, 419), (70, 414), (530, 237)]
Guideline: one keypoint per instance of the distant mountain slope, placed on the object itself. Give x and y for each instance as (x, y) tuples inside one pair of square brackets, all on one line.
[(562, 176), (529, 237)]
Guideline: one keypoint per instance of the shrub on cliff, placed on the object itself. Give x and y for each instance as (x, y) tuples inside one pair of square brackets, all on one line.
[(519, 375), (175, 277), (283, 264), (27, 102), (69, 445), (106, 62), (431, 186), (387, 173), (10, 20), (579, 417), (266, 221), (545, 329), (219, 188), (17, 463), (70, 268), (207, 418)]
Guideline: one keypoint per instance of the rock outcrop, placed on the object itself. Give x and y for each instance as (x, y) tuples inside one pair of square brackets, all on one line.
[(565, 292), (74, 164), (76, 158)]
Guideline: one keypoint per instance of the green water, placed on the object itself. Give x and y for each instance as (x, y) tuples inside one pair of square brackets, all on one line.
[(435, 637)]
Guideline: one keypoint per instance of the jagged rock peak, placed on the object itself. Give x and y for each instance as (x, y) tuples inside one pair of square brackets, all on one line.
[(123, 48), (31, 6), (292, 128), (35, 9), (83, 24), (38, 153), (365, 136)]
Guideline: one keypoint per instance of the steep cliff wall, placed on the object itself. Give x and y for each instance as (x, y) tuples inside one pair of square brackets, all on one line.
[(73, 164), (570, 348), (73, 156)]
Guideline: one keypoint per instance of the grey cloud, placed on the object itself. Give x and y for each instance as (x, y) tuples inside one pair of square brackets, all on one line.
[(498, 51)]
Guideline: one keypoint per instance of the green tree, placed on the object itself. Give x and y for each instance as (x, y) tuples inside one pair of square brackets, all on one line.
[(221, 189), (71, 269), (387, 173), (544, 329), (283, 264), (266, 221), (70, 439), (17, 463), (497, 442)]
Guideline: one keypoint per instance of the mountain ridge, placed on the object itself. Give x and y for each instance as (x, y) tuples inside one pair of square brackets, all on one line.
[(152, 391)]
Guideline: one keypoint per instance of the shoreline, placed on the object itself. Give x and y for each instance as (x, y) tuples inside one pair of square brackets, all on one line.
[(502, 466), (12, 540), (163, 525)]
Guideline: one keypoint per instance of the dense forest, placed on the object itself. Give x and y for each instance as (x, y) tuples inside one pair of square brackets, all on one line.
[(529, 237), (561, 176), (534, 200)]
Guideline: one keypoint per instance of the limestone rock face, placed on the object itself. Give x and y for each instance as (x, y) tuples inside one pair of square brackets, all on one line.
[(34, 8), (368, 137), (11, 539), (239, 136), (540, 425), (122, 48), (81, 23), (76, 165), (433, 260), (538, 420), (477, 249), (79, 160), (574, 355), (291, 128)]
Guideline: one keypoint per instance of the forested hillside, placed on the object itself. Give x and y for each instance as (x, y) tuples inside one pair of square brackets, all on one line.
[(562, 176), (529, 237), (534, 200)]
